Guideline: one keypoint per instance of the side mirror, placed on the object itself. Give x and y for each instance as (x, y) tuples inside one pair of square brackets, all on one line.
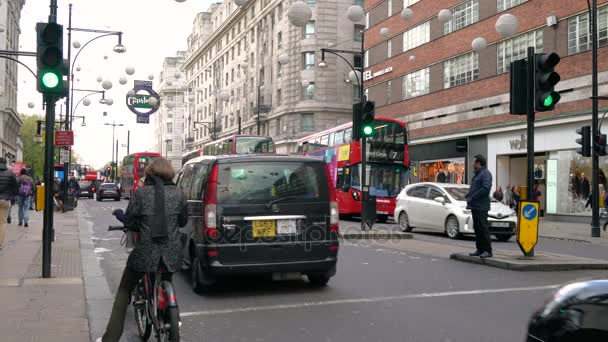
[(440, 200)]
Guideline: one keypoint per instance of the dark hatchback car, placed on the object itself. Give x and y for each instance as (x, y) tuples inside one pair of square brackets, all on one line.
[(259, 215), (87, 189), (108, 190)]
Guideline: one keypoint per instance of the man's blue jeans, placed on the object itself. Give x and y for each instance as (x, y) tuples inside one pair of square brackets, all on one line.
[(24, 207)]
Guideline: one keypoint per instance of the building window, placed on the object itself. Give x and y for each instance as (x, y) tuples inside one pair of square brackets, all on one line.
[(308, 92), (366, 19), (358, 34), (416, 36), (279, 97), (462, 16), (357, 63), (408, 3), (366, 59), (279, 39), (169, 146), (415, 84), (389, 92), (389, 49), (308, 122), (280, 11), (460, 70), (232, 75), (252, 34), (390, 7), (503, 5), (308, 60), (309, 30), (311, 3), (578, 31), (232, 53), (359, 3), (169, 127), (516, 48)]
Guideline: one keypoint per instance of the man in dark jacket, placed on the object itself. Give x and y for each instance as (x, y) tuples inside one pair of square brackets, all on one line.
[(8, 191), (478, 201)]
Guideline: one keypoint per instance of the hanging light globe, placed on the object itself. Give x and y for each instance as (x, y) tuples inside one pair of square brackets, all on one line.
[(107, 85), (122, 80), (240, 3), (354, 76), (283, 58), (153, 101), (150, 77), (99, 79), (355, 13), (130, 70), (444, 15), (407, 14), (384, 32), (479, 44), (76, 45), (109, 102), (31, 105), (299, 13), (86, 102), (131, 92), (507, 25)]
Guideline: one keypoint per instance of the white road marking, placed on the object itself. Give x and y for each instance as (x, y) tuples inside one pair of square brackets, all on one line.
[(368, 300), (101, 250)]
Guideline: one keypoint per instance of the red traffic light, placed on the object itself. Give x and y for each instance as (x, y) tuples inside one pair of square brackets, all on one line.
[(109, 168)]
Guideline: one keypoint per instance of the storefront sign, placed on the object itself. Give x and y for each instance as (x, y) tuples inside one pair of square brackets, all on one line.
[(367, 74), (519, 144)]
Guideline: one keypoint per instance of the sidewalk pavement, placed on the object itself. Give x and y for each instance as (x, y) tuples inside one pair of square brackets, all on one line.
[(73, 305)]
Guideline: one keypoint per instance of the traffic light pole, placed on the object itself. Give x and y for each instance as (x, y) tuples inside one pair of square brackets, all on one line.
[(47, 223), (595, 164), (530, 116)]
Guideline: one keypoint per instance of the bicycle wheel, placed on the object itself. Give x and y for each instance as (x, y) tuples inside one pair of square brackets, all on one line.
[(144, 326), (170, 323)]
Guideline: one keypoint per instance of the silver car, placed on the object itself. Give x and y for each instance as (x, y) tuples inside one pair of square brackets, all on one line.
[(441, 206)]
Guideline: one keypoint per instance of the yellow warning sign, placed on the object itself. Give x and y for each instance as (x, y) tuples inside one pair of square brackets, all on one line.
[(527, 225)]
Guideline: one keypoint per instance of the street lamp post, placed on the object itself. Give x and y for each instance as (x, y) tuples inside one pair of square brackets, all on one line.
[(114, 125)]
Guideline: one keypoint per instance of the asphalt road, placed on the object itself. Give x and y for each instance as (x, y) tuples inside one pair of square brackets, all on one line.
[(380, 293)]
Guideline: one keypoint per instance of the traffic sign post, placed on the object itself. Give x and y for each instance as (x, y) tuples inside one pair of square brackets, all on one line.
[(527, 226), (64, 138)]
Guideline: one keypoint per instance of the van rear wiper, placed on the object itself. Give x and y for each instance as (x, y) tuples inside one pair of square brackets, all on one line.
[(277, 200)]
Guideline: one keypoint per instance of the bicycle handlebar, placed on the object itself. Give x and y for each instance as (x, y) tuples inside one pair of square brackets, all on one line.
[(111, 228)]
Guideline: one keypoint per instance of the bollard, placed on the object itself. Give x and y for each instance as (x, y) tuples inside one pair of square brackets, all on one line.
[(39, 197)]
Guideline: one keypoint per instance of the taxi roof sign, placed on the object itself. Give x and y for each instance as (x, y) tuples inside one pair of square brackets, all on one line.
[(527, 226)]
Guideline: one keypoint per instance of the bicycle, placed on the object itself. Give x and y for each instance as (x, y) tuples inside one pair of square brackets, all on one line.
[(154, 303)]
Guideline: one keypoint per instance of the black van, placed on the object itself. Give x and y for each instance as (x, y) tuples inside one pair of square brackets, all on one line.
[(259, 214)]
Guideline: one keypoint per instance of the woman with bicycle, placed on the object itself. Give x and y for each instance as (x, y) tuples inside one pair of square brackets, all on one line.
[(155, 211)]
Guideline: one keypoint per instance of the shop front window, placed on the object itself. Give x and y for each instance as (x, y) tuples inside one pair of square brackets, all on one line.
[(443, 171)]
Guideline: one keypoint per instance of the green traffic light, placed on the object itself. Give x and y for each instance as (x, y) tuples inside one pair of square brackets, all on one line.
[(368, 130), (50, 80), (548, 101)]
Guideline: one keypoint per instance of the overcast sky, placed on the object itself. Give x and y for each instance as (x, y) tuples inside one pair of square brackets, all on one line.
[(153, 30)]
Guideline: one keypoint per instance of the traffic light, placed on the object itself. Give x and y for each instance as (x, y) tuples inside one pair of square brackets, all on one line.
[(600, 144), (518, 88), (545, 97), (357, 116), (108, 170), (367, 119), (52, 68), (584, 141)]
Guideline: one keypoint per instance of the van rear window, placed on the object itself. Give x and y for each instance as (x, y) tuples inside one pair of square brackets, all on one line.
[(262, 182)]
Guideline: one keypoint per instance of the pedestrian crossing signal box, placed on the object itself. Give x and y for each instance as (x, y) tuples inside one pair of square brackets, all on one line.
[(527, 225)]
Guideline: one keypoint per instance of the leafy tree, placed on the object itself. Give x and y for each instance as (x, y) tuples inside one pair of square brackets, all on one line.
[(33, 152)]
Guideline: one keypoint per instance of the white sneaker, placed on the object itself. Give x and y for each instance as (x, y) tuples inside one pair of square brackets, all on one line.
[(98, 339)]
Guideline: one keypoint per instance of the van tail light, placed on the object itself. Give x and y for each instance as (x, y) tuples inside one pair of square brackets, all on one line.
[(210, 204), (334, 215)]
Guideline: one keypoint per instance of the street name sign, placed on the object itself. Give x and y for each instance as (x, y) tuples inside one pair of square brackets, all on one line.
[(527, 225)]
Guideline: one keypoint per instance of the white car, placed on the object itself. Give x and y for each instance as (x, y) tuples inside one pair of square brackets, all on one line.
[(442, 206)]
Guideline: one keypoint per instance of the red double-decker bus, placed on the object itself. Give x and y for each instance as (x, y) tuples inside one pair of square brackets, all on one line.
[(233, 144), (387, 157), (132, 170)]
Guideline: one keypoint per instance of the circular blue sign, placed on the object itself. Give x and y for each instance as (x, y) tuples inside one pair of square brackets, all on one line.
[(529, 212)]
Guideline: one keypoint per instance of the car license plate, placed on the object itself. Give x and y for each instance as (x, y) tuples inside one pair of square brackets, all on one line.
[(383, 212), (500, 224), (286, 227), (85, 192), (264, 228)]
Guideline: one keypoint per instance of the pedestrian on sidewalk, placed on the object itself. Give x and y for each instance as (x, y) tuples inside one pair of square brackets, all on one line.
[(24, 196), (478, 201), (8, 190), (156, 211), (498, 194)]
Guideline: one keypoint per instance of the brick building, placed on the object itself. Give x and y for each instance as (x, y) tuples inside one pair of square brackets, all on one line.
[(456, 101)]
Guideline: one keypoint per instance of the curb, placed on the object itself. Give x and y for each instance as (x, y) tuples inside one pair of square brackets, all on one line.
[(376, 236), (563, 238), (98, 297), (538, 266)]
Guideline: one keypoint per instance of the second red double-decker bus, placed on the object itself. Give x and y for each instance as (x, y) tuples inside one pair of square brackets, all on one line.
[(132, 170), (387, 157), (239, 144)]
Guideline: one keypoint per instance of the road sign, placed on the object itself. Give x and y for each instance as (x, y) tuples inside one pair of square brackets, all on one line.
[(64, 156), (527, 225), (64, 138)]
